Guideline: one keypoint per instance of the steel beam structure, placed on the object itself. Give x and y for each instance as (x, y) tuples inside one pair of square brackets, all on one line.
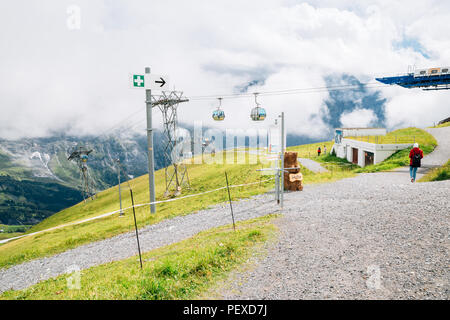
[(176, 174), (432, 82), (80, 155)]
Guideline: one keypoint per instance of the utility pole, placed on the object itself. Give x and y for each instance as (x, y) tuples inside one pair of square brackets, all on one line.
[(120, 191), (151, 166)]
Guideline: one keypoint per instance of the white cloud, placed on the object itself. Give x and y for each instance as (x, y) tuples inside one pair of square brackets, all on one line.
[(416, 107), (359, 118), (54, 78)]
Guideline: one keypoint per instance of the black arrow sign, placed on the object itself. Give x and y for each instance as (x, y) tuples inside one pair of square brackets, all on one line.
[(162, 82)]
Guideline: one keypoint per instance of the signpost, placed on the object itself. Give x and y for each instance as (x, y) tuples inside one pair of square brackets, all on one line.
[(149, 81), (151, 166), (277, 145), (283, 140)]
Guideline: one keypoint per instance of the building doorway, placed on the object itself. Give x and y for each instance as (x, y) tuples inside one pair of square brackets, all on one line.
[(368, 158), (355, 155)]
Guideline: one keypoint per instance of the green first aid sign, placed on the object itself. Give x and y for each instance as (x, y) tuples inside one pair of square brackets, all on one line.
[(138, 80)]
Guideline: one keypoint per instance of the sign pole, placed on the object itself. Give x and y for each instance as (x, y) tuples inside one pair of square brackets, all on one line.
[(277, 174), (151, 166), (282, 158)]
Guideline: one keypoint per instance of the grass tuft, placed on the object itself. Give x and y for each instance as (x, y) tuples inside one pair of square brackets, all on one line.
[(438, 174)]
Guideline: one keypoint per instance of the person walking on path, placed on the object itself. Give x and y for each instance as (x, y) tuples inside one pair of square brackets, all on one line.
[(324, 149), (318, 151), (415, 155)]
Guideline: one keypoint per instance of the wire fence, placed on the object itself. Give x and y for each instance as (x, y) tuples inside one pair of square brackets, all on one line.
[(104, 215)]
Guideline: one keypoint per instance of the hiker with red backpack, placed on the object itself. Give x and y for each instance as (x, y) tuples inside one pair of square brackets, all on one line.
[(415, 155)]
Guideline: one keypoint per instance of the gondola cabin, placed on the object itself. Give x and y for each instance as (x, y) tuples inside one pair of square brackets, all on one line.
[(258, 114), (218, 115)]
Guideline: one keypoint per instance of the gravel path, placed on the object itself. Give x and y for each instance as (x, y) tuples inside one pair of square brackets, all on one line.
[(375, 236), (441, 154), (312, 165)]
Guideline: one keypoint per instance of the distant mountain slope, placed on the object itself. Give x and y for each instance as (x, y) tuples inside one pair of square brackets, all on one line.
[(24, 201), (37, 180)]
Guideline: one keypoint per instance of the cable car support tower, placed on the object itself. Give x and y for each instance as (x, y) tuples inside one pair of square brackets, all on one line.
[(80, 155), (176, 174)]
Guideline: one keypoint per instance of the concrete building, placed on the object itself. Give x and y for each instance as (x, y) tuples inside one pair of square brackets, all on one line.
[(360, 152)]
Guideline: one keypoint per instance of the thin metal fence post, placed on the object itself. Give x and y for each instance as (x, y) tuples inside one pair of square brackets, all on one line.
[(120, 190), (229, 198), (282, 160), (136, 228), (260, 176)]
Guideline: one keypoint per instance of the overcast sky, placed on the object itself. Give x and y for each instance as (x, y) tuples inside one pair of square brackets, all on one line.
[(61, 73)]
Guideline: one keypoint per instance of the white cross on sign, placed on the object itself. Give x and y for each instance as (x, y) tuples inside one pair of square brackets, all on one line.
[(138, 80)]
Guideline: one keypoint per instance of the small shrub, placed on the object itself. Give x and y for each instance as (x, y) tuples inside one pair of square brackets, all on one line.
[(333, 153), (254, 235), (166, 270), (153, 289)]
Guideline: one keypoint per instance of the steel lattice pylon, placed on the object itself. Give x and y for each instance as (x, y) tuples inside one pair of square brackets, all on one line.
[(80, 156), (176, 174)]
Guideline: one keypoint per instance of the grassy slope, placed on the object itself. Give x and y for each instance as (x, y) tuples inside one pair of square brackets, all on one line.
[(406, 135), (310, 150), (438, 174), (203, 177), (14, 228), (179, 271), (445, 124), (10, 231), (8, 235)]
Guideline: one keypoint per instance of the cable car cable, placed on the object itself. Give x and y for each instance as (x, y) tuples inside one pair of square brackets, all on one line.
[(292, 91)]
